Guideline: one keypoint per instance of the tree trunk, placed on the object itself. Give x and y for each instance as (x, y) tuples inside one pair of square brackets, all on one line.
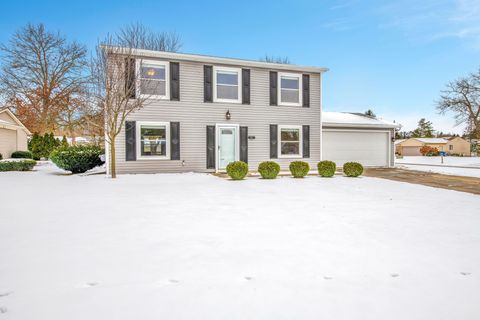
[(113, 166)]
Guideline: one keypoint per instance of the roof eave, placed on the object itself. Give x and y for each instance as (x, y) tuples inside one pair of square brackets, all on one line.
[(214, 60), (360, 125)]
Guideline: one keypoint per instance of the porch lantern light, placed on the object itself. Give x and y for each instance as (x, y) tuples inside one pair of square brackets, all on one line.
[(228, 116)]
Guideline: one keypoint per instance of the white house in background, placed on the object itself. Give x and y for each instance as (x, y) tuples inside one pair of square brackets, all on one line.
[(205, 112), (13, 134)]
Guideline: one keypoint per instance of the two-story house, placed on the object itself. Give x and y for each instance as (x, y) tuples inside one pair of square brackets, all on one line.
[(205, 112)]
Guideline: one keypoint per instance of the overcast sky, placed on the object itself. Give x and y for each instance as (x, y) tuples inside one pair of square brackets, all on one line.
[(393, 57)]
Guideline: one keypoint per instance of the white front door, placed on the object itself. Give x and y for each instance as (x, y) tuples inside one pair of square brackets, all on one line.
[(227, 145)]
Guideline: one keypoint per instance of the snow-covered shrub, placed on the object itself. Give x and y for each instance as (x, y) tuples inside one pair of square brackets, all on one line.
[(77, 159), (237, 170), (17, 165), (352, 169), (22, 155), (269, 169), (299, 169), (326, 168)]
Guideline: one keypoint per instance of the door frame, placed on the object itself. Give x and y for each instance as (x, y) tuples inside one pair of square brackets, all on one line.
[(217, 139)]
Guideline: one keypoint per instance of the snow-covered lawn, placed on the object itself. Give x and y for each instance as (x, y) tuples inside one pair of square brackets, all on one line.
[(447, 161), (194, 246), (460, 166)]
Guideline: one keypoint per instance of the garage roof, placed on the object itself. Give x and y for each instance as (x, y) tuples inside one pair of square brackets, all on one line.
[(355, 120)]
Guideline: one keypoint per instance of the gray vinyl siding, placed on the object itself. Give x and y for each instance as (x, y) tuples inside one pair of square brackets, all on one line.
[(194, 115)]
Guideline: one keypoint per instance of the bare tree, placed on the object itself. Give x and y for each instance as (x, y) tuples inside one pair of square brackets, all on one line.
[(69, 117), (115, 80), (273, 59), (39, 70), (462, 97)]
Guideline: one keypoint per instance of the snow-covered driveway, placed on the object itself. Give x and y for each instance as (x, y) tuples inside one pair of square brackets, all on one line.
[(194, 246)]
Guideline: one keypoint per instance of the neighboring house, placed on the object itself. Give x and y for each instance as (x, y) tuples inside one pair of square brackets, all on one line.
[(13, 134), (208, 111), (453, 145)]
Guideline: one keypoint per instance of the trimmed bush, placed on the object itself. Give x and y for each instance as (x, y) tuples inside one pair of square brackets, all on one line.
[(326, 168), (237, 170), (42, 146), (77, 159), (22, 165), (269, 169), (299, 169), (22, 155), (352, 169)]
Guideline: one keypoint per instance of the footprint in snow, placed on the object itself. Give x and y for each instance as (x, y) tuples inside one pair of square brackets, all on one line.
[(92, 284), (173, 280), (465, 273), (327, 278), (3, 310), (4, 294), (248, 278), (394, 275)]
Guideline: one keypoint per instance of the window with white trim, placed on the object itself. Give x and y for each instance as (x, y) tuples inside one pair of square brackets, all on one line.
[(154, 79), (227, 86), (153, 140), (289, 92), (290, 141)]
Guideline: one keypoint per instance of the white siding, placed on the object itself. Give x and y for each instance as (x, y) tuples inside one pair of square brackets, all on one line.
[(194, 115)]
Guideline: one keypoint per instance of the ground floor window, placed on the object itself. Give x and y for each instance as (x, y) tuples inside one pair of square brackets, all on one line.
[(290, 145), (153, 140)]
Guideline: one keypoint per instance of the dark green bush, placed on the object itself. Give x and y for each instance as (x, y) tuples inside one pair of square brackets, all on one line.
[(269, 169), (326, 168), (21, 165), (22, 155), (299, 169), (352, 169), (237, 170), (42, 146), (77, 159)]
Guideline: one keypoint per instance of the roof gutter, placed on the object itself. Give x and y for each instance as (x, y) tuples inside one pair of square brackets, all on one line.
[(210, 59)]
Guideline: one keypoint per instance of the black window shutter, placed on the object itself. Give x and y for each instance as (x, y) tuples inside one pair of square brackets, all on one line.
[(130, 87), (175, 140), (273, 88), (306, 141), (210, 147), (244, 144), (174, 81), (306, 90), (246, 86), (273, 141), (207, 83), (130, 141)]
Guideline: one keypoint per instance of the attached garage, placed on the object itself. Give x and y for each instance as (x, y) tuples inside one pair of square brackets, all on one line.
[(355, 137), (13, 134)]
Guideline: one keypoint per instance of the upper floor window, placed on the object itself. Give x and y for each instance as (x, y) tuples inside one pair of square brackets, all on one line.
[(226, 86), (289, 93), (154, 79)]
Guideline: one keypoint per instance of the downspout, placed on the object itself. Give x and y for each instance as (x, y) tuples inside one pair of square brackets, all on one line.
[(321, 126)]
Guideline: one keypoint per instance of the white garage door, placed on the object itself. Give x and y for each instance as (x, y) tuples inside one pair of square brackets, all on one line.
[(367, 147)]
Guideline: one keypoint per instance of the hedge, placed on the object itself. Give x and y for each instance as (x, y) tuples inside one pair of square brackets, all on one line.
[(22, 165), (299, 169), (22, 155), (237, 170), (77, 159), (326, 168), (352, 169), (269, 169)]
